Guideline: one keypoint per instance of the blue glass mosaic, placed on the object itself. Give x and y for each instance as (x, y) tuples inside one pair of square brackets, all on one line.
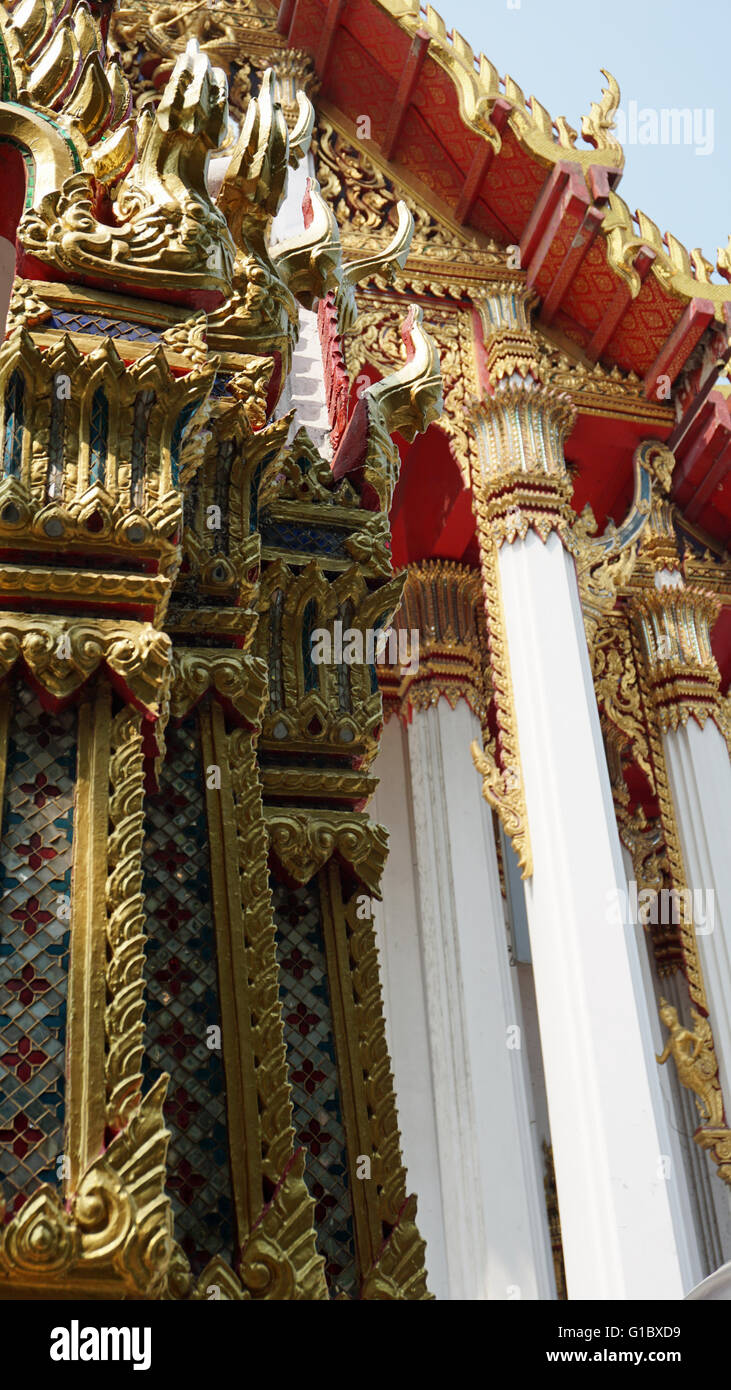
[(182, 1003), (313, 1075), (35, 887), (314, 540), (14, 410), (78, 322), (98, 435)]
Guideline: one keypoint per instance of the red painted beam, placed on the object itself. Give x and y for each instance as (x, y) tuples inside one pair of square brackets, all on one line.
[(570, 264), (704, 443), (285, 16), (718, 470), (701, 394), (327, 37), (618, 306), (408, 81), (563, 198), (481, 162), (676, 349)]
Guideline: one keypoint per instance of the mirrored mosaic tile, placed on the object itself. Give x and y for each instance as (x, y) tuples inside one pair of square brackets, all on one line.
[(183, 1003), (35, 887), (314, 1077)]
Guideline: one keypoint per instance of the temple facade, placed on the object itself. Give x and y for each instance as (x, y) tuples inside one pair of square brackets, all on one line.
[(365, 633)]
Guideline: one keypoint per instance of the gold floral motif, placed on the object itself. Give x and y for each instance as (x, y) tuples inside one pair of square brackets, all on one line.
[(364, 199), (615, 680), (125, 905), (597, 127), (115, 1235), (502, 777), (398, 1269), (303, 842), (239, 680), (280, 1259), (376, 339), (399, 1273), (62, 653)]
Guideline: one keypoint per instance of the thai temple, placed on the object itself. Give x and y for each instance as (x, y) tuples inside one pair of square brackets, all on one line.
[(365, 628)]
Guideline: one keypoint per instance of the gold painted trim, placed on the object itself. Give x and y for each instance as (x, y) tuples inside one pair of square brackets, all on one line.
[(503, 786), (366, 1223), (85, 1049), (233, 983)]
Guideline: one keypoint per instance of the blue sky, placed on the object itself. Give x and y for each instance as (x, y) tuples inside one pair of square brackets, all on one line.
[(664, 56)]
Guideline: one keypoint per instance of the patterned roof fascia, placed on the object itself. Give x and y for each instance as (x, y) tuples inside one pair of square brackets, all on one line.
[(680, 272)]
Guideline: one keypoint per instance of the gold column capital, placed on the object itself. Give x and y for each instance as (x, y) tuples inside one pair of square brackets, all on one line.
[(675, 613), (442, 615), (521, 425)]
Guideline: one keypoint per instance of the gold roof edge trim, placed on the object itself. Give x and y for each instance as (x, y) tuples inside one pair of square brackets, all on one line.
[(478, 86), (477, 83)]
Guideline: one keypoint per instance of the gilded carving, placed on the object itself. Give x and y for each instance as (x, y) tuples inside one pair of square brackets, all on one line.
[(399, 1272), (75, 507), (695, 1062), (304, 842), (124, 1014), (116, 1232), (376, 339), (442, 602), (62, 653), (280, 1259), (149, 479), (239, 680), (598, 126), (165, 221), (364, 199), (277, 1135)]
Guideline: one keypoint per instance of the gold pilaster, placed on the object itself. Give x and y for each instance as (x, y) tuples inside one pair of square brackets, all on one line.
[(86, 1116), (241, 1091), (368, 1234)]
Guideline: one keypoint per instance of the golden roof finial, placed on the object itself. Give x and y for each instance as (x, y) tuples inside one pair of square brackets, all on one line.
[(597, 127), (723, 264)]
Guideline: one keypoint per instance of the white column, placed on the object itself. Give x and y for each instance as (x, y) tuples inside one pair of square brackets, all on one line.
[(616, 1218), (492, 1224), (404, 1002), (699, 771)]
